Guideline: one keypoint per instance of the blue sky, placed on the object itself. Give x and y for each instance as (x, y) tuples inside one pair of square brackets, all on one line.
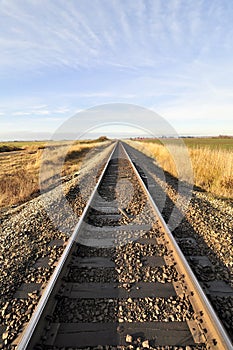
[(60, 57)]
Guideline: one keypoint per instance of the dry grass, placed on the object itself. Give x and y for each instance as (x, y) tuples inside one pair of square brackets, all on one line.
[(212, 168), (19, 171), (17, 176)]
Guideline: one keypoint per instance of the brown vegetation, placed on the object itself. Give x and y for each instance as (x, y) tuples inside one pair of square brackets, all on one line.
[(19, 171), (212, 168)]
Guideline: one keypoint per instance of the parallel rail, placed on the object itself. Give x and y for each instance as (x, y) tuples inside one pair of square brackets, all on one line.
[(209, 328), (27, 335), (216, 335)]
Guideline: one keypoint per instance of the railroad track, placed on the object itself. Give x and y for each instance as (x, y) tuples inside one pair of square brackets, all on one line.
[(122, 281)]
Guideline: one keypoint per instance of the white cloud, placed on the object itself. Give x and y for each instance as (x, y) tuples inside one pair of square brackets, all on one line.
[(42, 112), (42, 106), (62, 110), (123, 33), (197, 111), (36, 112), (175, 55), (22, 113)]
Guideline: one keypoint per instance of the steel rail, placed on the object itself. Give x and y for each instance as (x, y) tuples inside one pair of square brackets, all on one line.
[(217, 337), (31, 326)]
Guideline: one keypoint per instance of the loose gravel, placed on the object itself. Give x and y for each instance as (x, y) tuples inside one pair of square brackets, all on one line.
[(136, 343), (123, 310), (26, 232), (206, 228), (131, 266), (26, 235)]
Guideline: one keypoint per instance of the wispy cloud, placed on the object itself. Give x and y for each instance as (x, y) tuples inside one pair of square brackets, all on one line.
[(40, 110), (36, 107), (59, 57), (118, 32), (62, 110), (22, 113)]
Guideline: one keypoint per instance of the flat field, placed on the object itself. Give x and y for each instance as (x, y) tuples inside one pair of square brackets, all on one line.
[(210, 142), (211, 160), (20, 164), (20, 145), (193, 142)]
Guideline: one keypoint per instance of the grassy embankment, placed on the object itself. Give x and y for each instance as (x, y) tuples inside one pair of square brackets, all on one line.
[(19, 171), (211, 159)]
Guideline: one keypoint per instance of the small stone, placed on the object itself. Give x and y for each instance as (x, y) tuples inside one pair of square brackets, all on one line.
[(128, 338), (32, 295), (5, 335), (146, 344)]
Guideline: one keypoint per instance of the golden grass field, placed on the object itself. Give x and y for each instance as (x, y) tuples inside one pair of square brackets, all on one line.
[(19, 170), (212, 164)]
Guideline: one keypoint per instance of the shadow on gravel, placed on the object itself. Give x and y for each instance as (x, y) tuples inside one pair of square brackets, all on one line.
[(189, 239)]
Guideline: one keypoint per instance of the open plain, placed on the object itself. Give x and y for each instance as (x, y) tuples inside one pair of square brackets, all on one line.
[(31, 244)]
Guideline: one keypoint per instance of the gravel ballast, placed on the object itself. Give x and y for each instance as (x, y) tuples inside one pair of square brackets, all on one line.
[(28, 234), (205, 227), (27, 231)]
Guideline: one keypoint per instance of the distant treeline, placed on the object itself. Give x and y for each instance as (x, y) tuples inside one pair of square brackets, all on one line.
[(224, 137)]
